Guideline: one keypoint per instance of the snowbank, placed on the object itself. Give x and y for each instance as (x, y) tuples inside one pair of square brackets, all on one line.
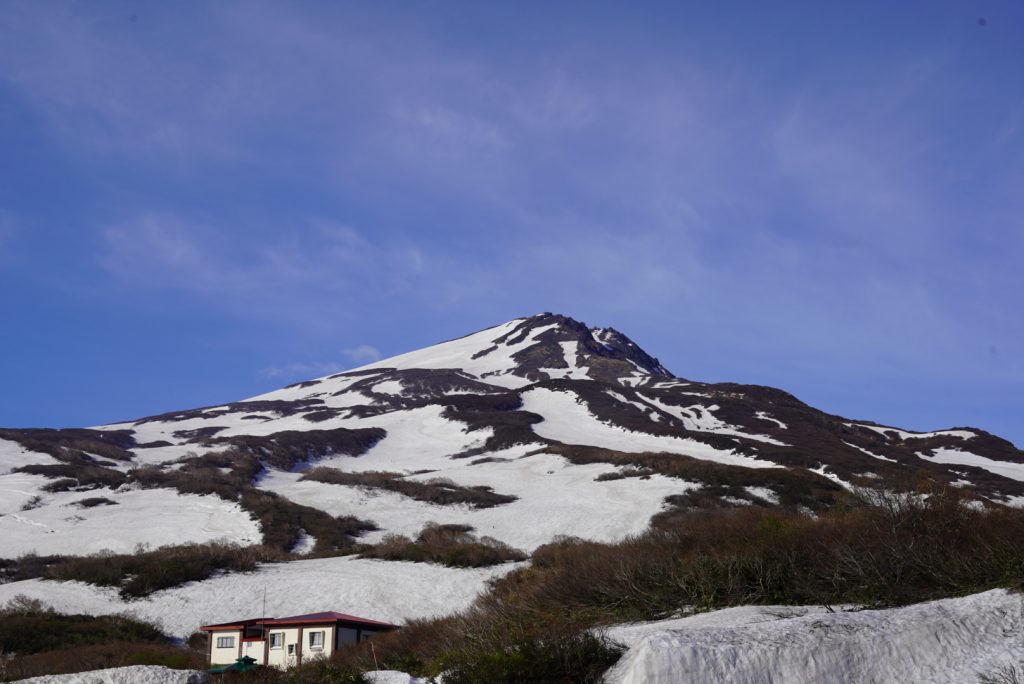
[(952, 640), (135, 674), (390, 677)]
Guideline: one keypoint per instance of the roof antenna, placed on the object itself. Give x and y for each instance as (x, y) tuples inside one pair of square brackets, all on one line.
[(263, 620)]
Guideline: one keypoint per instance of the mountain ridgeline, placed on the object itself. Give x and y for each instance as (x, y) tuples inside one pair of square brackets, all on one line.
[(538, 419)]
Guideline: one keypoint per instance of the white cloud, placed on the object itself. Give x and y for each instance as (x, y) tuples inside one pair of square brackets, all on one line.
[(362, 354), (358, 355), (300, 369)]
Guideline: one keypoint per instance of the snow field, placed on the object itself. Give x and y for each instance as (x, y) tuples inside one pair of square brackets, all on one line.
[(13, 455), (16, 491), (391, 591), (949, 641), (154, 517), (494, 367), (555, 498), (568, 420), (700, 418), (418, 439)]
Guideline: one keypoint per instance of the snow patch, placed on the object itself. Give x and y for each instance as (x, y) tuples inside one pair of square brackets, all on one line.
[(948, 455), (869, 453), (568, 420), (763, 493), (699, 418), (153, 517), (904, 434), (764, 416)]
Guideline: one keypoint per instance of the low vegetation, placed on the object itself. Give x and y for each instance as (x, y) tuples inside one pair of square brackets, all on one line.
[(283, 521), (452, 545), (537, 624), (894, 550), (437, 491), (142, 573), (35, 640)]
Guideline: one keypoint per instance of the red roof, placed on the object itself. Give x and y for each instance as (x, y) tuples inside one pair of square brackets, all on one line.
[(311, 618), (330, 616), (237, 624)]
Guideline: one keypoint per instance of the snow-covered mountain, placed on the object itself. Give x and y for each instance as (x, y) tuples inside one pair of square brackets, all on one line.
[(535, 428)]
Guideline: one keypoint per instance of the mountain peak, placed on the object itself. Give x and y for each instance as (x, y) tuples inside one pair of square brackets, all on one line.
[(546, 346)]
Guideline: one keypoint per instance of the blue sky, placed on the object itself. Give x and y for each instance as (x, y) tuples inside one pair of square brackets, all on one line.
[(203, 201)]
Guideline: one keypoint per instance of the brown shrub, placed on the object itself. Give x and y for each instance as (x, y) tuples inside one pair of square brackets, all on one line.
[(142, 573), (45, 642), (101, 656), (282, 522), (68, 476), (452, 545), (439, 491), (901, 548)]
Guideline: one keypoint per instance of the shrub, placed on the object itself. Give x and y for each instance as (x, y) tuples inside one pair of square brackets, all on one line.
[(69, 476), (580, 657), (1008, 674), (46, 642), (94, 501), (143, 573), (438, 490), (100, 656), (282, 522), (451, 545), (892, 550)]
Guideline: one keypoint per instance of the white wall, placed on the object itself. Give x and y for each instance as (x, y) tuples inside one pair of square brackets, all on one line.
[(228, 655), (253, 649), (279, 657)]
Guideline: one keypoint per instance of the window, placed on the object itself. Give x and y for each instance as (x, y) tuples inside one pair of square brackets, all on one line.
[(276, 639), (225, 642), (291, 649), (316, 640)]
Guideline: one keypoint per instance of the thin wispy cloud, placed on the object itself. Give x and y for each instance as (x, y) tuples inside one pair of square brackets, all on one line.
[(362, 354), (758, 194)]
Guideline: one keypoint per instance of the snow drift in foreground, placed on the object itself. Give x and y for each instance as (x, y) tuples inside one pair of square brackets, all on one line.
[(952, 640), (135, 674)]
